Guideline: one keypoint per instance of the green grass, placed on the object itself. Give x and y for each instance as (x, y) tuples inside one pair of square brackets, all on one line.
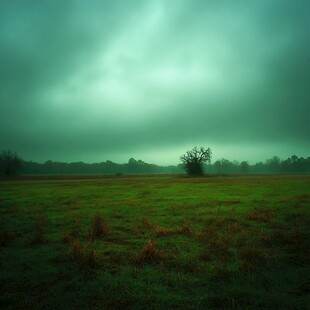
[(155, 242)]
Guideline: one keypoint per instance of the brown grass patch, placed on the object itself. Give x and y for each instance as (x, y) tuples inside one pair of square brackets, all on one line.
[(77, 250), (231, 201), (302, 197), (74, 233), (164, 231), (296, 245), (220, 272), (266, 237), (260, 215), (118, 215), (235, 227), (211, 227), (250, 256), (217, 249), (186, 228), (142, 226), (115, 259), (76, 229), (67, 237), (284, 199), (146, 224)]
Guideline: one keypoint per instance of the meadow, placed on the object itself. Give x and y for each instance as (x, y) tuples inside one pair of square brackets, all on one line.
[(155, 242)]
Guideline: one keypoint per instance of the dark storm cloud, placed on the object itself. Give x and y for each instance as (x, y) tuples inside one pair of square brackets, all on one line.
[(101, 80)]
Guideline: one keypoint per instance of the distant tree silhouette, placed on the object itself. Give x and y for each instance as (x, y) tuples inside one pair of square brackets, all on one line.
[(10, 163), (273, 164), (244, 167), (193, 160), (225, 166)]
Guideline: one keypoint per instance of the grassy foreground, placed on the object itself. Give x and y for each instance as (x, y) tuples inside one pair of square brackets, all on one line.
[(155, 243)]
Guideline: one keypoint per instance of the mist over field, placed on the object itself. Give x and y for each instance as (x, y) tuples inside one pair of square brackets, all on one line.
[(111, 80)]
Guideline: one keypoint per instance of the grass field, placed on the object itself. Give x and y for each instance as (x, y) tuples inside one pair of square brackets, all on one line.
[(155, 242)]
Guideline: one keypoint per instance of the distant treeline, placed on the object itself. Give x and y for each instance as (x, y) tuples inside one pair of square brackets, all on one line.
[(107, 167), (293, 164)]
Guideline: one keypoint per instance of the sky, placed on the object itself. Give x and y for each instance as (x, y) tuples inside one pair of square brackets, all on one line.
[(101, 80)]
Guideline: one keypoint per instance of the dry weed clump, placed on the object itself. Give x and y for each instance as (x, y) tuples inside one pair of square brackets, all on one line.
[(302, 197), (260, 215), (77, 251), (186, 228), (267, 238), (142, 226), (84, 256), (217, 249), (74, 233), (220, 247), (146, 223), (76, 229), (67, 237), (118, 215), (99, 227), (220, 272), (250, 256), (235, 227), (211, 228), (231, 201), (164, 231), (149, 254), (284, 199)]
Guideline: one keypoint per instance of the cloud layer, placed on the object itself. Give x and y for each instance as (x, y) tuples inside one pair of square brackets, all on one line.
[(102, 80)]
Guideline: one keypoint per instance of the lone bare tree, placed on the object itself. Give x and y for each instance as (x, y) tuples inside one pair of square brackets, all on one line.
[(194, 160)]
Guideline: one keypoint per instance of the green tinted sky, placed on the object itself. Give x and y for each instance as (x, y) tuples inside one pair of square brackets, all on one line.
[(96, 80)]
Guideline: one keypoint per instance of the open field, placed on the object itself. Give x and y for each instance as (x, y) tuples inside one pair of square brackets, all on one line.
[(156, 242)]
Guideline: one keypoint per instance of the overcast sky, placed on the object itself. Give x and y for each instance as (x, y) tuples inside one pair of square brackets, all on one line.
[(101, 80)]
